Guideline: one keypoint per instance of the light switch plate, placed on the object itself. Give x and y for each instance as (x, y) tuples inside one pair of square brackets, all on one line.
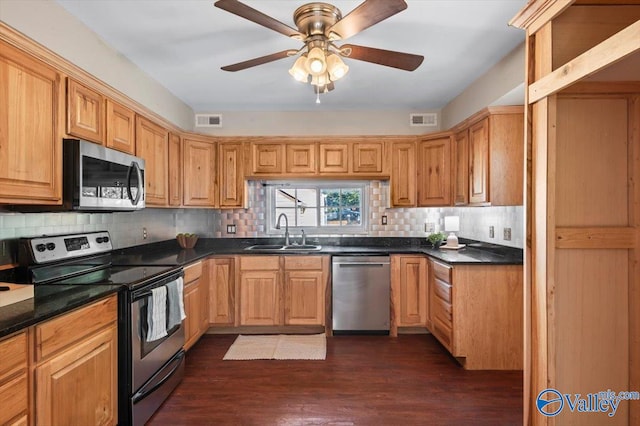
[(492, 232), (384, 220), (231, 229), (507, 234)]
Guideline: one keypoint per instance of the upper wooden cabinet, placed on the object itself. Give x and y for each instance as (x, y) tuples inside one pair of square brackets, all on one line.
[(461, 181), (266, 158), (479, 162), (231, 175), (434, 172), (175, 170), (199, 159), (121, 128), (30, 155), (334, 158), (152, 144), (85, 112), (403, 174), (367, 158), (301, 158)]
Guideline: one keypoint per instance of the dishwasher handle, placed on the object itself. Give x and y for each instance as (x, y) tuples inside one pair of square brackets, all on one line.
[(348, 265)]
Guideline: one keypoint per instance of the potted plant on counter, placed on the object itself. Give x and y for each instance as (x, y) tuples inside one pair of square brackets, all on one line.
[(436, 239)]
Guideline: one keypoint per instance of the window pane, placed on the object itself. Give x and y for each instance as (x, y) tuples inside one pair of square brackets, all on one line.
[(291, 217), (350, 197), (285, 198), (331, 216), (350, 216), (330, 197), (306, 197), (307, 217)]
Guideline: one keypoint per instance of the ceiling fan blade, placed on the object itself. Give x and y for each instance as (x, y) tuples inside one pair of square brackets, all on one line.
[(259, 61), (258, 17), (389, 58), (368, 13)]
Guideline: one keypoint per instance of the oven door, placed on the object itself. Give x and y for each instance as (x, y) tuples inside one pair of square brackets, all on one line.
[(149, 357)]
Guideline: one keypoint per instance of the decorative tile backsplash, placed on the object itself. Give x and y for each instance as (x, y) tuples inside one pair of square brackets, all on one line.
[(126, 228)]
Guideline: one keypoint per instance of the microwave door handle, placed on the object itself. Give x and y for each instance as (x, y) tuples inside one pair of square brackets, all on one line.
[(135, 200)]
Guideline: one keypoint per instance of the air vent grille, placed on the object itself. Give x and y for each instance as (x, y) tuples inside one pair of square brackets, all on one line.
[(429, 119), (208, 120)]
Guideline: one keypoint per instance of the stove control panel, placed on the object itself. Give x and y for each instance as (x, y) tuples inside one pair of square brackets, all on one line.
[(49, 248)]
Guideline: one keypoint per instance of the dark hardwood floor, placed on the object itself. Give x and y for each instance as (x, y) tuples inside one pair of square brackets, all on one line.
[(365, 380)]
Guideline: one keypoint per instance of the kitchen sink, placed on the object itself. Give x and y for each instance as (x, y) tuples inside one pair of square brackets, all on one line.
[(279, 247)]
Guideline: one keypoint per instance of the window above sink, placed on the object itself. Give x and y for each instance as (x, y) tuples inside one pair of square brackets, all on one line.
[(326, 207)]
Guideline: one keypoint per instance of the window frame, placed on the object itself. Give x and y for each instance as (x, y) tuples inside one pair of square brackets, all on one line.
[(270, 214)]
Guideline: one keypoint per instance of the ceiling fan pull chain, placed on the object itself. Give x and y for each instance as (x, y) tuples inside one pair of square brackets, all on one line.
[(318, 97)]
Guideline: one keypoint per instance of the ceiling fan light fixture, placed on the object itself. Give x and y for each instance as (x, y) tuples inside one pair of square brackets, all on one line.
[(336, 67), (316, 61), (299, 70), (320, 80)]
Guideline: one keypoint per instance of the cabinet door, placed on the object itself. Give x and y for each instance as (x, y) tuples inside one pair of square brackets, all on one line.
[(368, 157), (479, 162), (301, 158), (403, 174), (259, 298), (409, 288), (203, 304), (461, 186), (199, 158), (175, 170), (304, 298), (192, 310), (152, 144), (30, 155), (222, 292), (88, 371), (121, 128), (14, 380), (266, 158), (231, 175), (85, 112), (334, 158), (434, 172)]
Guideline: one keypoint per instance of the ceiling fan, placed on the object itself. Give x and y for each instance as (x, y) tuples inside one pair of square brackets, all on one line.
[(320, 26)]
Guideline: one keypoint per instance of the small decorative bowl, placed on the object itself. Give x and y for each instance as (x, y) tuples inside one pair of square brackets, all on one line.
[(187, 242)]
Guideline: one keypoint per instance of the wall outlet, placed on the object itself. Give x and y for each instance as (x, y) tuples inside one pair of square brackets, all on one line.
[(144, 233), (384, 220), (492, 232), (430, 227), (507, 234), (231, 229)]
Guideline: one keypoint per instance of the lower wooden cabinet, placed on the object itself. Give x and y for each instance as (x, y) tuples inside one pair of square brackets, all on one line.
[(76, 371), (14, 380), (408, 292), (222, 291), (287, 290), (196, 302), (476, 312)]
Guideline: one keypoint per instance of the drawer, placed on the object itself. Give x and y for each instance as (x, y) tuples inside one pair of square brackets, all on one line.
[(13, 356), (259, 263), (192, 272), (443, 311), (443, 333), (55, 334), (14, 397), (303, 263), (442, 290), (442, 271)]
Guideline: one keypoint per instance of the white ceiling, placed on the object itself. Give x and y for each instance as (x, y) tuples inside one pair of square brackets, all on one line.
[(183, 43)]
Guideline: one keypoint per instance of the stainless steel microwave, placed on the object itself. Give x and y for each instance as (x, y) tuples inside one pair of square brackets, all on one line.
[(96, 178)]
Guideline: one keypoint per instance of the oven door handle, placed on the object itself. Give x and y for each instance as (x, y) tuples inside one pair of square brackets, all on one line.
[(135, 200), (144, 392)]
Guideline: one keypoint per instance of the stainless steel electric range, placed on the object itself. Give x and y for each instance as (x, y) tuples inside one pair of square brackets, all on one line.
[(149, 367)]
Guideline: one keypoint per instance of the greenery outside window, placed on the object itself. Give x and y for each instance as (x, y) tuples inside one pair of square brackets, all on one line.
[(318, 208)]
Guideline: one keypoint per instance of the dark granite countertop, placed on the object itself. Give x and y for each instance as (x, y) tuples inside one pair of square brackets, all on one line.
[(170, 253), (49, 301)]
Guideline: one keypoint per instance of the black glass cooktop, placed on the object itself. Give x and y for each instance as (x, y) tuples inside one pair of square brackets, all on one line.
[(119, 275)]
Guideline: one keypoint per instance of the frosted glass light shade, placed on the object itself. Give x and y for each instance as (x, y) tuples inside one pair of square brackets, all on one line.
[(316, 61), (298, 70), (337, 69), (451, 223)]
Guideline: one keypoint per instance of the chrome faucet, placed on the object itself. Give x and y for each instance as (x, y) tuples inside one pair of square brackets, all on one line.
[(286, 227), (304, 238)]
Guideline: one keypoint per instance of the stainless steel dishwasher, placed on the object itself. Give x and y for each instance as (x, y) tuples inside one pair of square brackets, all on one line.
[(361, 294)]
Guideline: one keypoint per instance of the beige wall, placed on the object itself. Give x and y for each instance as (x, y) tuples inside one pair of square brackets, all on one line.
[(274, 123), (501, 85), (48, 23)]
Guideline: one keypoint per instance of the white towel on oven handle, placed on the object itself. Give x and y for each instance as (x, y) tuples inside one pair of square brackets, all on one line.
[(175, 290), (157, 314)]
